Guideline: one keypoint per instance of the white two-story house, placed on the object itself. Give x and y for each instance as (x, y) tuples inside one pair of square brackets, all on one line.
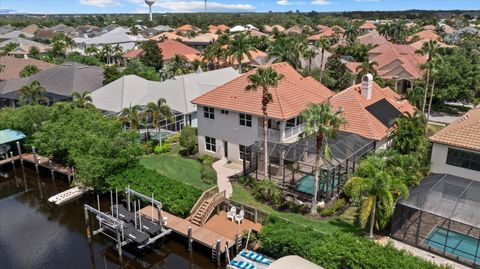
[(230, 118), (456, 148)]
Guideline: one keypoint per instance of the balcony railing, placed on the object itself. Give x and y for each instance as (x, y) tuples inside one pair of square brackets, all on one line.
[(294, 131), (276, 135)]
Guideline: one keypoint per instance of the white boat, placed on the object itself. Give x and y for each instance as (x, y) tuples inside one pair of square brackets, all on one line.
[(68, 195)]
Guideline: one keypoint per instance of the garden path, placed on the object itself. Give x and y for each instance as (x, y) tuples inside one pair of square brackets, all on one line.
[(224, 172)]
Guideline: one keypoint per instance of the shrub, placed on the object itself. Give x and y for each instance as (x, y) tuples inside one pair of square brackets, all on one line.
[(246, 180), (334, 207), (162, 149), (175, 138), (177, 198), (331, 251), (188, 140), (206, 159), (268, 191), (209, 175)]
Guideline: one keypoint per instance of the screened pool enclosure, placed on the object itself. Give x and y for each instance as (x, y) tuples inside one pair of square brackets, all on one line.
[(292, 165), (442, 215)]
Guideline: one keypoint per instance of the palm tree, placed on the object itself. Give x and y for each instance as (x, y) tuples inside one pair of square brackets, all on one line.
[(33, 94), (322, 122), (429, 49), (34, 52), (398, 31), (178, 66), (409, 132), (10, 47), (367, 67), (323, 44), (434, 64), (239, 47), (82, 100), (377, 190), (264, 78), (29, 70), (157, 112), (117, 53), (61, 43), (309, 56), (351, 33), (91, 50), (107, 53), (132, 116)]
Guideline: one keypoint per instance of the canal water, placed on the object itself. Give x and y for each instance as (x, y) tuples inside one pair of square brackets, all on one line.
[(37, 234)]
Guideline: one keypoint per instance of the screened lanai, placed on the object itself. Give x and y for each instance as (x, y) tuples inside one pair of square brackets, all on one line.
[(442, 215), (292, 165)]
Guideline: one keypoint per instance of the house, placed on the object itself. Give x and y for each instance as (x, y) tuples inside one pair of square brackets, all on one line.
[(229, 118), (187, 28), (200, 40), (218, 28), (169, 49), (270, 29), (15, 34), (370, 110), (456, 148), (132, 90), (163, 28), (24, 46), (367, 27), (45, 34), (424, 35), (13, 66), (372, 38), (118, 36), (60, 82), (166, 35), (6, 29), (237, 28), (296, 29), (30, 29)]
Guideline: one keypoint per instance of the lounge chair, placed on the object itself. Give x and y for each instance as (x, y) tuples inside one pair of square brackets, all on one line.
[(232, 213), (242, 264), (239, 217), (255, 257)]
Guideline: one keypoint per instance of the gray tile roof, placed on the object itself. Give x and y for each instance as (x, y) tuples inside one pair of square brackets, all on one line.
[(14, 34), (60, 81)]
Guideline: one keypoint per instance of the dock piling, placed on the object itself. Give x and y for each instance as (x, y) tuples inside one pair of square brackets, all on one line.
[(87, 227), (217, 247), (34, 151), (189, 238)]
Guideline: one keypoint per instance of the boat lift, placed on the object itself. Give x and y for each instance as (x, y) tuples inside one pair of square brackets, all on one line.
[(128, 227)]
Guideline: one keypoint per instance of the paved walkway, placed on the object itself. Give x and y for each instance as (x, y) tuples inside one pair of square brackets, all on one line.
[(224, 171)]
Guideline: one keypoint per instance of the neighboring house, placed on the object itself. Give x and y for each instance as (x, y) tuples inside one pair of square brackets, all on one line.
[(229, 118), (45, 34), (216, 28), (13, 66), (30, 29), (372, 38), (169, 49), (456, 148), (370, 110), (317, 61), (6, 29), (118, 36), (15, 34), (187, 28), (296, 29), (24, 46), (424, 35), (237, 28), (60, 82), (132, 90), (200, 40), (456, 35), (163, 28), (367, 27), (269, 29), (62, 28)]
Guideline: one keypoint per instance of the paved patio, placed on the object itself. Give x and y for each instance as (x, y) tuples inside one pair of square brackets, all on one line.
[(224, 172)]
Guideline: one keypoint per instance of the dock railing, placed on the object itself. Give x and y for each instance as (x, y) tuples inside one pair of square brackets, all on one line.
[(205, 195), (218, 199), (251, 213)]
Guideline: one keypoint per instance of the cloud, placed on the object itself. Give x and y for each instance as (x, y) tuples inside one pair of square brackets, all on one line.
[(321, 2), (195, 6), (288, 3), (100, 3)]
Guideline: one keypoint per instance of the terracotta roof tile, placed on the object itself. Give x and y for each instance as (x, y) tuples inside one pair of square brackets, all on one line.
[(367, 26), (425, 34), (292, 95), (169, 49), (463, 133)]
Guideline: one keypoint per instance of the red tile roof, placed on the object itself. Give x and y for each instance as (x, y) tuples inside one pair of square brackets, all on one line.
[(359, 120), (463, 133), (214, 28), (169, 49), (292, 95), (425, 34), (367, 26), (14, 65), (372, 38)]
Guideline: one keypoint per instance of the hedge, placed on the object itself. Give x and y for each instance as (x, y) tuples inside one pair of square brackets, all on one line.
[(177, 198), (331, 251)]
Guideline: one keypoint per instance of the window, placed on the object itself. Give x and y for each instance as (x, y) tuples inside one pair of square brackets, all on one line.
[(241, 149), (209, 112), (246, 120), (210, 144), (464, 159), (223, 111)]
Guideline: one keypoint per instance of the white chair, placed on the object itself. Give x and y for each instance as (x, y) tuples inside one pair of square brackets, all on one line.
[(239, 217), (232, 213)]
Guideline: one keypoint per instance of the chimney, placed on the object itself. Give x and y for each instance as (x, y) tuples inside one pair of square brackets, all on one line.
[(366, 87)]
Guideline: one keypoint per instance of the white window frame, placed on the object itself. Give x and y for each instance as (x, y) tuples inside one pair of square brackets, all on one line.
[(212, 143)]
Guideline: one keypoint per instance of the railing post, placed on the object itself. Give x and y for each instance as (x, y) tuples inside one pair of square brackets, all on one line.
[(34, 151), (19, 149), (237, 247), (256, 215)]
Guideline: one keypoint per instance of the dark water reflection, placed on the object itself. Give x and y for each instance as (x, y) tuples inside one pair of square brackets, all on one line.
[(37, 234)]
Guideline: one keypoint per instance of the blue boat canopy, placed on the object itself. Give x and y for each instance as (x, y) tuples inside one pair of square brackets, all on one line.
[(9, 135)]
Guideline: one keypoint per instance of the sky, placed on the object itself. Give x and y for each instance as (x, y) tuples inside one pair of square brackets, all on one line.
[(138, 6)]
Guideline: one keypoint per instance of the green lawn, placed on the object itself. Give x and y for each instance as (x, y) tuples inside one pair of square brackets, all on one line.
[(174, 166), (342, 223)]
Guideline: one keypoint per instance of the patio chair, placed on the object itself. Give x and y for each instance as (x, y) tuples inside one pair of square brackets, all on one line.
[(239, 217), (232, 213)]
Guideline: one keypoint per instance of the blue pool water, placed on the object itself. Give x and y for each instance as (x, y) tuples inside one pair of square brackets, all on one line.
[(457, 244), (305, 184)]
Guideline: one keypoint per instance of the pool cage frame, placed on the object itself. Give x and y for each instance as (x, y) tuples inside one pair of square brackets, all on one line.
[(442, 202), (288, 163)]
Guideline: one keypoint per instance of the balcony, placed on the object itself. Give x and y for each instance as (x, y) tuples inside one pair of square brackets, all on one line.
[(279, 136)]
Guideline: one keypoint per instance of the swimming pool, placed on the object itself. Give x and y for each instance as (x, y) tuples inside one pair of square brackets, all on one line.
[(457, 244), (305, 184)]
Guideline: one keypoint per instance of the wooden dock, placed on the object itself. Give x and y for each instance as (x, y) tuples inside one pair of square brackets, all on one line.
[(40, 161), (201, 235)]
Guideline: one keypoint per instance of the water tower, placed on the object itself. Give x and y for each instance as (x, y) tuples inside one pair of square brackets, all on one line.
[(150, 4)]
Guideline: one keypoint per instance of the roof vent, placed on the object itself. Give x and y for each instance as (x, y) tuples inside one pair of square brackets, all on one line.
[(366, 86)]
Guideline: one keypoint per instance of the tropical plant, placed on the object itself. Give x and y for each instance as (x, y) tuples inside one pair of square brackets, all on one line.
[(9, 48), (376, 190), (351, 33), (188, 140), (60, 44), (131, 116), (82, 100), (434, 66), (264, 78), (107, 52), (152, 55), (323, 44), (178, 66), (29, 70), (91, 50), (429, 49), (134, 30), (367, 67), (240, 47), (409, 133), (158, 111), (33, 94), (323, 123), (34, 52), (309, 55)]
